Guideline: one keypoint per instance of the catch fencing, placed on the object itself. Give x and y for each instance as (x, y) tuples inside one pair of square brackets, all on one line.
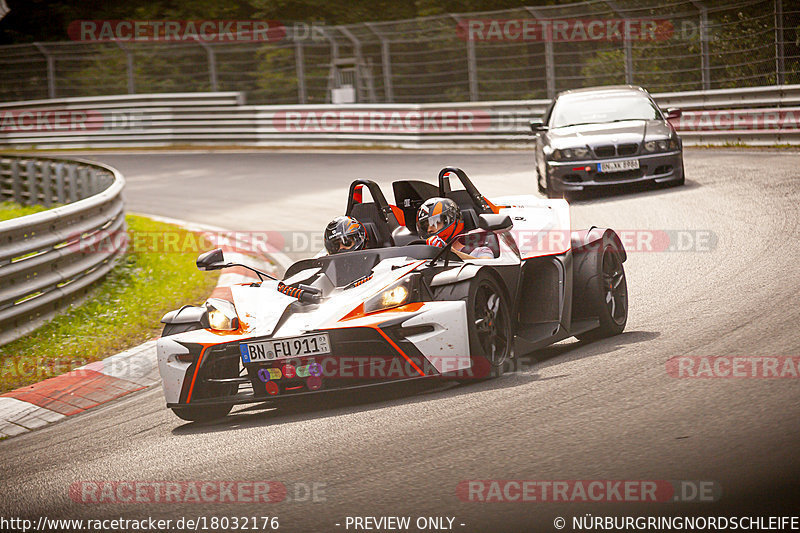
[(516, 54)]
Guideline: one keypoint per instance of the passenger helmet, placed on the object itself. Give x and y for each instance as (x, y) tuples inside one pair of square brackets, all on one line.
[(345, 234)]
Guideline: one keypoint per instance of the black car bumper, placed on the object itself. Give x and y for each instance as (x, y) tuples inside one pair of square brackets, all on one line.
[(571, 176)]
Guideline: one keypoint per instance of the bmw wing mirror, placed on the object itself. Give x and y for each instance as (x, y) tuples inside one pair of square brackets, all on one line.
[(537, 125), (213, 260), (674, 112)]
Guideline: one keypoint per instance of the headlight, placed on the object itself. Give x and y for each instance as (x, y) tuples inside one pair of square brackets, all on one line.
[(661, 145), (570, 153), (221, 315), (393, 296)]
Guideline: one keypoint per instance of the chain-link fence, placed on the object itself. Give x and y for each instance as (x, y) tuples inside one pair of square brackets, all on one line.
[(523, 53)]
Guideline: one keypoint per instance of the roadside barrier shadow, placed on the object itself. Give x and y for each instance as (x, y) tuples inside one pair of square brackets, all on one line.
[(641, 190)]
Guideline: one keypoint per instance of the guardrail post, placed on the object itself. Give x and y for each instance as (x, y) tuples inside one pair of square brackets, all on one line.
[(93, 188), (16, 185), (83, 183), (780, 68), (51, 70), (47, 190), (61, 197), (30, 178), (299, 64), (72, 177)]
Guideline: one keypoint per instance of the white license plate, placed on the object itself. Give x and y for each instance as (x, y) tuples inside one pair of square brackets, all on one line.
[(618, 166), (255, 352)]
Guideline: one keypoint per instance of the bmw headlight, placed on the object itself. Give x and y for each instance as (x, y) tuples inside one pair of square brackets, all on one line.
[(395, 295), (661, 145), (221, 315), (564, 154)]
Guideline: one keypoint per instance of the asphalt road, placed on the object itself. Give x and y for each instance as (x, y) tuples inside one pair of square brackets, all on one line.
[(576, 411)]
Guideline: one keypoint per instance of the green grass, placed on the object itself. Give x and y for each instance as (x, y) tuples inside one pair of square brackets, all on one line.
[(122, 311), (9, 210)]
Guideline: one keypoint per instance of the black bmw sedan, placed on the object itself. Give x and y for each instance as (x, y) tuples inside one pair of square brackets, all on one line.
[(601, 136)]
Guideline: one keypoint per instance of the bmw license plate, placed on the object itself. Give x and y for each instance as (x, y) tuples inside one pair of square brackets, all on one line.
[(282, 348), (618, 166)]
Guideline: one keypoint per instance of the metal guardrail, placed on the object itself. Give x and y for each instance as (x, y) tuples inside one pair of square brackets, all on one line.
[(759, 115), (44, 263)]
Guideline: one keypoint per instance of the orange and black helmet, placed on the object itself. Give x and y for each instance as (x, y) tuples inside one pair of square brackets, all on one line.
[(345, 234), (439, 217)]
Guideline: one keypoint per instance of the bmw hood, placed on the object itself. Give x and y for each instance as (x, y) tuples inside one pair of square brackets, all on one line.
[(629, 131)]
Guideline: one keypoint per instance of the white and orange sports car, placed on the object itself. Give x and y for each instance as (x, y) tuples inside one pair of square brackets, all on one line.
[(400, 309)]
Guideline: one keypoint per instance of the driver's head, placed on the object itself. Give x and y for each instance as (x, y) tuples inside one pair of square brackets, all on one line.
[(345, 234), (439, 217)]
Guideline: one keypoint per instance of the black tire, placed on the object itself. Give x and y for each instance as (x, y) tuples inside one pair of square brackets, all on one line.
[(488, 320), (539, 181), (202, 413), (601, 275)]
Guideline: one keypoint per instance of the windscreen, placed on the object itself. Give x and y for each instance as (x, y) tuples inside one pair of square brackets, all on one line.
[(574, 110)]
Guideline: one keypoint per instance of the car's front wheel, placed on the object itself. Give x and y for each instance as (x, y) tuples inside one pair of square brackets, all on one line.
[(488, 321)]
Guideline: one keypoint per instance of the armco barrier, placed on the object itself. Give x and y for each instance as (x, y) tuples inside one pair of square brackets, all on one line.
[(43, 267), (759, 115)]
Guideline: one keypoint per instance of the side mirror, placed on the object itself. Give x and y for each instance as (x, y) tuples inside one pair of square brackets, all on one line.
[(494, 222), (537, 125), (213, 260), (674, 112)]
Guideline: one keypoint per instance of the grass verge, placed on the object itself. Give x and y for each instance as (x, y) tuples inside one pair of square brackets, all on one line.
[(122, 311), (9, 210)]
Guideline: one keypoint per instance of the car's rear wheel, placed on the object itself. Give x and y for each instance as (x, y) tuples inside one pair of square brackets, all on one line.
[(488, 321), (606, 291)]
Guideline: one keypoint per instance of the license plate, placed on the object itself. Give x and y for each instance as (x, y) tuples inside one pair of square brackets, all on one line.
[(282, 348), (618, 166)]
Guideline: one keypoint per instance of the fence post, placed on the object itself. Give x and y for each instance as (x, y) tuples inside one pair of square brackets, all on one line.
[(129, 66), (386, 64), (549, 58), (705, 67), (299, 64), (780, 68), (627, 46), (51, 70), (212, 63)]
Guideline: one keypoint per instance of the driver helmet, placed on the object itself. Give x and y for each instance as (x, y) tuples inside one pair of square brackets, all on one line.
[(345, 234), (439, 220)]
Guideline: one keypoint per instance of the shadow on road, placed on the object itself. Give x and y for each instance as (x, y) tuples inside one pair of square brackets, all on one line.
[(523, 371)]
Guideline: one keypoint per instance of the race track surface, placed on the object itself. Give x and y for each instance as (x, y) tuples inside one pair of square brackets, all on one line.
[(576, 411)]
